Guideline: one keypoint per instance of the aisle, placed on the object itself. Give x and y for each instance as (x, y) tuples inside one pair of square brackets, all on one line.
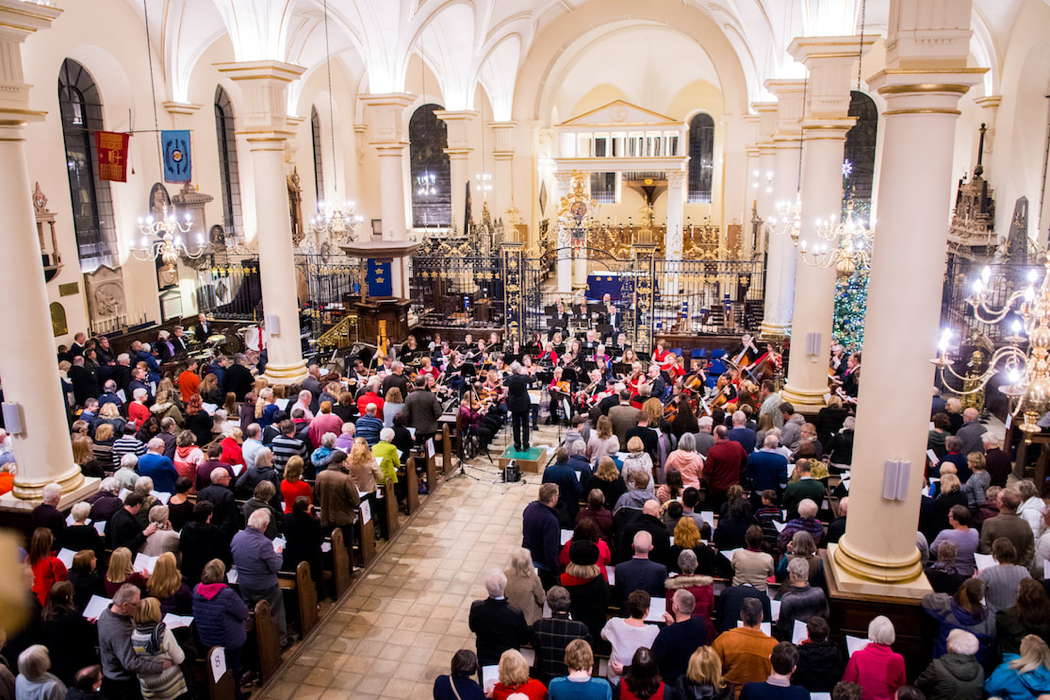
[(403, 622)]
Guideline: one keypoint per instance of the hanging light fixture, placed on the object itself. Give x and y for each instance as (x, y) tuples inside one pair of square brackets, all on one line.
[(1026, 370), (164, 238), (336, 220)]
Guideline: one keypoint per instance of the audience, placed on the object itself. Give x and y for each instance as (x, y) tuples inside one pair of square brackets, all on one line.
[(1022, 675), (498, 625), (578, 683), (745, 650), (627, 634), (783, 660), (459, 684), (958, 674), (877, 669)]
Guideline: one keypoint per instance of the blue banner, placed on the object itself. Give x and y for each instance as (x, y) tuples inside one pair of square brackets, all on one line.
[(379, 279), (175, 144), (599, 285)]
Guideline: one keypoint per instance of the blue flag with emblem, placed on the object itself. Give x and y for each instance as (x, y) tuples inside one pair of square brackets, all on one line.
[(175, 144)]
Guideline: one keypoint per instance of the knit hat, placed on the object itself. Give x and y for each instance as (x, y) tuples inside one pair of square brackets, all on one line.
[(583, 553)]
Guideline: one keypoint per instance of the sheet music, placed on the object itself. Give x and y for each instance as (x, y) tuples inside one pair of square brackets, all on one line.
[(96, 606)]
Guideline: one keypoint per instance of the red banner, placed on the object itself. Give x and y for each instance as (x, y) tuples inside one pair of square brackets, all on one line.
[(112, 150)]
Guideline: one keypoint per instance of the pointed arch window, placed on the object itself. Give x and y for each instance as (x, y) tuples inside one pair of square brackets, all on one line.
[(858, 167), (701, 157), (80, 106), (315, 139), (229, 174), (430, 171)]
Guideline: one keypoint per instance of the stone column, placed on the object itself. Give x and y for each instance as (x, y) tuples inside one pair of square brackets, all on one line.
[(780, 261), (461, 134), (562, 238), (829, 61), (503, 153), (27, 352), (673, 235), (265, 127), (386, 118), (767, 123), (924, 79)]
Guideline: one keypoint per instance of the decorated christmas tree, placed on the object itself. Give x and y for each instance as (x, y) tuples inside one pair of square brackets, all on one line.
[(851, 293)]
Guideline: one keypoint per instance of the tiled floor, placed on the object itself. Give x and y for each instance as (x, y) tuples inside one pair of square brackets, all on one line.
[(404, 620)]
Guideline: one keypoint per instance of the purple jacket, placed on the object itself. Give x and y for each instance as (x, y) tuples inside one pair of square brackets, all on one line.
[(256, 561), (219, 614), (541, 535)]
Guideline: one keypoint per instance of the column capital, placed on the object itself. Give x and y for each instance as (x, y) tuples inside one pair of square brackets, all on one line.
[(789, 94), (385, 117), (18, 20), (923, 34), (503, 147), (675, 177), (924, 91), (460, 128), (830, 61), (264, 85), (768, 106)]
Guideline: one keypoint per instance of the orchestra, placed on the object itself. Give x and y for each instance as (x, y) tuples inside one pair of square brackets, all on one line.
[(574, 372)]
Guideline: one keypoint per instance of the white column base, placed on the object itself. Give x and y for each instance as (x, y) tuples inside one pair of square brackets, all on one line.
[(772, 330), (285, 374), (805, 400), (11, 503), (849, 582)]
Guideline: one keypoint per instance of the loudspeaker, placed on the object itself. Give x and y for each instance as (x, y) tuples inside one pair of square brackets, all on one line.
[(813, 344), (13, 419), (511, 472), (895, 476), (273, 324)]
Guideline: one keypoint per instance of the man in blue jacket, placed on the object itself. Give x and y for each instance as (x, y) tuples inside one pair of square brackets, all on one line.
[(158, 467), (767, 468), (541, 533), (258, 560), (562, 474)]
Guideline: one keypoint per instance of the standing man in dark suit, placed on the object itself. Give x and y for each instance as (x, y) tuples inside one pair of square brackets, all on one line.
[(520, 405), (203, 328), (239, 378), (498, 625), (422, 411), (639, 573)]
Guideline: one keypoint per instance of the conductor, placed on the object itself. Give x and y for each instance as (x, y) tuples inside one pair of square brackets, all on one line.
[(519, 405)]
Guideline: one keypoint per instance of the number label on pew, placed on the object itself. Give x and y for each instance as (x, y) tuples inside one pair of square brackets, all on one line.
[(366, 512)]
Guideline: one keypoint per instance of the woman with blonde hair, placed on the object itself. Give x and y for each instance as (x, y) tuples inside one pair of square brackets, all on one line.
[(638, 460), (165, 584), (603, 441), (121, 571), (152, 640), (514, 679), (266, 409), (393, 404), (579, 660), (607, 480), (210, 391), (102, 449), (164, 538), (653, 409), (84, 455), (951, 494), (1026, 675), (703, 677), (165, 407), (109, 413), (524, 590)]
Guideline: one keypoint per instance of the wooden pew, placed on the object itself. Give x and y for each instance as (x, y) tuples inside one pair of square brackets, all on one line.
[(430, 469), (447, 429), (390, 508), (225, 687), (267, 641), (412, 483), (301, 585), (340, 563), (366, 538)]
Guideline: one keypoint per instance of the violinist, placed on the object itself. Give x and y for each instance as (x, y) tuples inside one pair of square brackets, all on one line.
[(628, 357), (586, 397), (434, 346), (467, 347), (427, 369), (695, 380), (514, 353), (657, 385), (560, 391), (547, 358), (575, 349), (636, 378), (661, 356), (677, 370), (494, 344), (408, 351), (600, 359)]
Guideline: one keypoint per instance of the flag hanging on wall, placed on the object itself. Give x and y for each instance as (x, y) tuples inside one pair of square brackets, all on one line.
[(176, 146), (112, 149)]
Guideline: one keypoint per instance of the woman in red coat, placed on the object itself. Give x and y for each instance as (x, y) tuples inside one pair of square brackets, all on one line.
[(514, 678), (231, 448), (47, 568), (876, 668)]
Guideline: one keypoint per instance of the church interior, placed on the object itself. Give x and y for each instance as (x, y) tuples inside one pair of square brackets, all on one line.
[(402, 269)]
